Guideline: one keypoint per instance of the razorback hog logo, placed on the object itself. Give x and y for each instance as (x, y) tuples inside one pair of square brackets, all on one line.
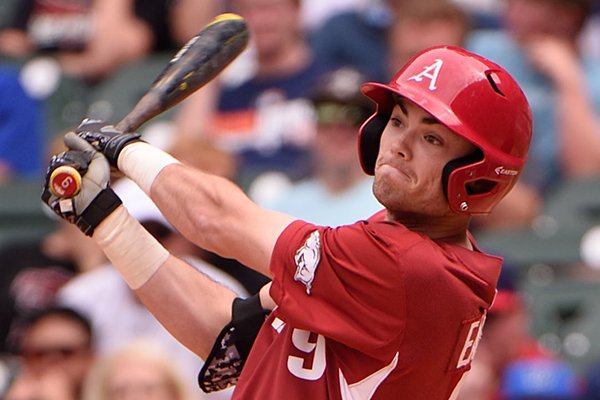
[(307, 260), (430, 72), (501, 170)]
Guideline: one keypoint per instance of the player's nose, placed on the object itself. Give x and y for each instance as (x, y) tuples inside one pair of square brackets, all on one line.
[(401, 145)]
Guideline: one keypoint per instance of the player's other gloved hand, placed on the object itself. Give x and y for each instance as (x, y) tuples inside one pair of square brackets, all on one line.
[(95, 199), (106, 138)]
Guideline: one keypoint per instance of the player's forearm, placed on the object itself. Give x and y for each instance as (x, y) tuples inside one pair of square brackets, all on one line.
[(216, 214), (191, 306), (183, 299), (196, 203), (200, 206), (208, 210), (135, 253)]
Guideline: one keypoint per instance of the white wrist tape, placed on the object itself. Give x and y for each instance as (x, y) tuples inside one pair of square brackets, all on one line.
[(135, 253), (142, 163)]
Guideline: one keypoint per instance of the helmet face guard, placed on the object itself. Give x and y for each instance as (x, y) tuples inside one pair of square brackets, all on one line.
[(477, 100)]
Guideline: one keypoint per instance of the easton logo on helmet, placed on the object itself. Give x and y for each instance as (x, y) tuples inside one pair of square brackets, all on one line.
[(505, 171), (430, 72)]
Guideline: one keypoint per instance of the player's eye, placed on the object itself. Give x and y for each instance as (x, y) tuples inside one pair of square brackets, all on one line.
[(396, 122), (433, 139)]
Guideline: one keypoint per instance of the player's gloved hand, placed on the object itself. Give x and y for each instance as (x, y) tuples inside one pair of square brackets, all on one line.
[(95, 199), (106, 138)]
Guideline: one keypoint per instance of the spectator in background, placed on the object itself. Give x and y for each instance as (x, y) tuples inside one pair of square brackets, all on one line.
[(358, 38), (185, 18), (539, 47), (138, 370), (56, 352), (34, 271), (423, 24), (91, 38), (88, 38), (21, 155), (541, 379), (31, 276), (484, 14), (337, 192), (266, 120), (315, 12)]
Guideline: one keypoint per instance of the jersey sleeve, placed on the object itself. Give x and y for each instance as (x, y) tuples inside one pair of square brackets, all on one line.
[(345, 283)]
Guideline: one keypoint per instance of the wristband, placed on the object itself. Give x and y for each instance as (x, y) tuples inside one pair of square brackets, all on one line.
[(104, 204), (136, 262), (142, 163)]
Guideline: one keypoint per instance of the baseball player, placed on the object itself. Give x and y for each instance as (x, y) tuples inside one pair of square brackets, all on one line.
[(390, 307)]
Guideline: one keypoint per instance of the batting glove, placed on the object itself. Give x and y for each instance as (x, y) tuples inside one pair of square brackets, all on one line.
[(106, 138), (95, 199)]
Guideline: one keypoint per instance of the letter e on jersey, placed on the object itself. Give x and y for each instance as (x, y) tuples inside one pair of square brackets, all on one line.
[(468, 339)]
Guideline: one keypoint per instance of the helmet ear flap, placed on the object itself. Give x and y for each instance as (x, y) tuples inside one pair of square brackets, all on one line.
[(368, 144), (451, 166), (470, 188)]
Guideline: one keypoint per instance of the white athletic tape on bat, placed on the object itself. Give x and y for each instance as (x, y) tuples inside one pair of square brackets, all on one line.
[(142, 163), (135, 253)]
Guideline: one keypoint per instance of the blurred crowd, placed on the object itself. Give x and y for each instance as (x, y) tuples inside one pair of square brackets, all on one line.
[(281, 121)]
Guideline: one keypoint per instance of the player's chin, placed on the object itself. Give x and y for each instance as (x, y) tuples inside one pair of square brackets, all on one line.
[(400, 197), (390, 191)]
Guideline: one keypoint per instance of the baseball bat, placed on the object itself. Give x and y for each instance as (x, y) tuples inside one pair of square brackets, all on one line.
[(200, 60)]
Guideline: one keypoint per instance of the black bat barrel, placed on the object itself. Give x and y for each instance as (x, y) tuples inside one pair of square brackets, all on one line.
[(199, 61)]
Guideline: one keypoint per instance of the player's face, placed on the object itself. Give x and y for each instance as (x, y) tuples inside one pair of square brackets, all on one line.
[(56, 343), (413, 151)]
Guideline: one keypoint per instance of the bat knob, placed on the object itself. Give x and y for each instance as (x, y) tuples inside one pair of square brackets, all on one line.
[(65, 181)]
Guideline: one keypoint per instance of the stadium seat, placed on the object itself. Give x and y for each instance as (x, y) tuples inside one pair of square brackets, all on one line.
[(6, 11), (21, 214), (566, 317), (570, 210), (114, 97)]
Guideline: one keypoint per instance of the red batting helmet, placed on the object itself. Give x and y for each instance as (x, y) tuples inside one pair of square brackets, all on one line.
[(475, 98)]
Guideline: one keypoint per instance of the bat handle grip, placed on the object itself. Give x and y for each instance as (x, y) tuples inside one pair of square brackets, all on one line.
[(65, 181)]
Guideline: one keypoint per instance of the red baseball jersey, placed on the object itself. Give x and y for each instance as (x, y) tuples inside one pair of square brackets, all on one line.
[(369, 311)]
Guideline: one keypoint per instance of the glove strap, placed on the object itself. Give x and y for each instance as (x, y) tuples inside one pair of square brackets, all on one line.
[(105, 203), (115, 145)]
